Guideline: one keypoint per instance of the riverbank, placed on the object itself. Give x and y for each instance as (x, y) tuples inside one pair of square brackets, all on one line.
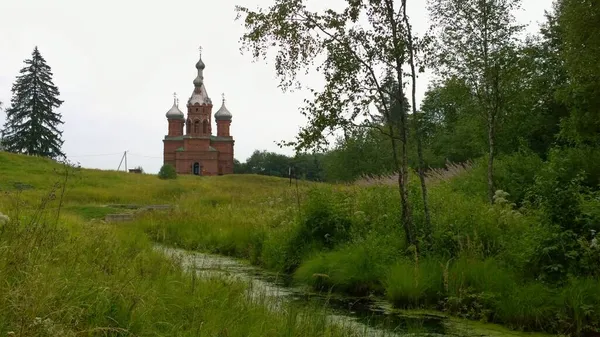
[(73, 278), (369, 315), (480, 264)]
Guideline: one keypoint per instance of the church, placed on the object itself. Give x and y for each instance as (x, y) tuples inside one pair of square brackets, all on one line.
[(198, 151)]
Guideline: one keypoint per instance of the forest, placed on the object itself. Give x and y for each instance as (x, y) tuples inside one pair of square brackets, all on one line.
[(496, 169)]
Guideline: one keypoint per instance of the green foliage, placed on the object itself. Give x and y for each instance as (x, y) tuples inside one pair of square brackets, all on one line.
[(325, 219), (363, 152), (417, 283), (355, 268), (268, 163), (453, 127), (324, 223), (31, 122), (352, 56), (562, 184), (515, 174), (167, 171), (578, 22), (301, 166)]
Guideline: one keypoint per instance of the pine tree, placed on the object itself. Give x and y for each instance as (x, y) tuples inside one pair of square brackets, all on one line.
[(31, 123)]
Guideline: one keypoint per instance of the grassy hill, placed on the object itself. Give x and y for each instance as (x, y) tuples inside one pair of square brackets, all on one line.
[(67, 275)]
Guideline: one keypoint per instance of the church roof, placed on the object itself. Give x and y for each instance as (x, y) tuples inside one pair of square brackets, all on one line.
[(223, 113), (199, 95)]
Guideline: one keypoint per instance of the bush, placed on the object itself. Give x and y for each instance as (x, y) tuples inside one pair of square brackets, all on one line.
[(566, 191), (355, 268), (167, 171), (326, 218), (515, 174)]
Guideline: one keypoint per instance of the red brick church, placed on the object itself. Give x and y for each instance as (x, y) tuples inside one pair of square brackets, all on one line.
[(197, 151)]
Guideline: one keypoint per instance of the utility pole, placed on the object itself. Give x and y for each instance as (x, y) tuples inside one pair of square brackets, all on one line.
[(121, 162)]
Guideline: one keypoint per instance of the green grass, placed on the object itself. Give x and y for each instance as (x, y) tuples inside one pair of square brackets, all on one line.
[(67, 276), (346, 238)]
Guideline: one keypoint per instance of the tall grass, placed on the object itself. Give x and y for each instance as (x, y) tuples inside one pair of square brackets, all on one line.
[(432, 175), (60, 276), (477, 263)]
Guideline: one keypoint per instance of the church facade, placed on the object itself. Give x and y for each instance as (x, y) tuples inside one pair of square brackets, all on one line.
[(197, 151)]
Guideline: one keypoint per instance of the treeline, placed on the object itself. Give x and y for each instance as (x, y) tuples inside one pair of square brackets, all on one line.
[(361, 153), (541, 100)]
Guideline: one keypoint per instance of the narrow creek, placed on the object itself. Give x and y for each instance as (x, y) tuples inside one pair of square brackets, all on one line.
[(368, 316)]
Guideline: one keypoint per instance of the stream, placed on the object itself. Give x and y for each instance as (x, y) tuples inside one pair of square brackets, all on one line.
[(368, 316)]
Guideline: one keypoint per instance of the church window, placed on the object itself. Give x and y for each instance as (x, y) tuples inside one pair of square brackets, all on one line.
[(197, 126), (205, 126)]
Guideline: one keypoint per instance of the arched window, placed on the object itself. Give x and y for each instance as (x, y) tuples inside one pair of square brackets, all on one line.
[(188, 125), (196, 126), (205, 126)]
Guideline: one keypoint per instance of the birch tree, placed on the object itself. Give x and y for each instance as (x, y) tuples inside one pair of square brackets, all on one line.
[(475, 41), (360, 45)]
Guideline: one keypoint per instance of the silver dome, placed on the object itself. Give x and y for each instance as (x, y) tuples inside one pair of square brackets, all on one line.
[(174, 112), (223, 113)]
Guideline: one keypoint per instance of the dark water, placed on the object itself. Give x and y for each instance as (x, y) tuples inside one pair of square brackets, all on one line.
[(368, 316)]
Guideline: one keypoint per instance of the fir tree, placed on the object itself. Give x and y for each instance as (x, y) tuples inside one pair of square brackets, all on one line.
[(31, 122)]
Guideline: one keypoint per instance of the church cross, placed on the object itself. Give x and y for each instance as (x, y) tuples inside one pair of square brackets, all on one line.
[(200, 49)]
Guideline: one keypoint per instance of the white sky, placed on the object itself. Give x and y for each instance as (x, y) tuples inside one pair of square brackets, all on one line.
[(117, 64)]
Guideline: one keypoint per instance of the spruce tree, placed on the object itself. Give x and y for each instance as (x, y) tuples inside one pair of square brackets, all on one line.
[(1, 134), (31, 122)]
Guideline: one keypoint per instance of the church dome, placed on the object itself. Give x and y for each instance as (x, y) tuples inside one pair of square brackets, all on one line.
[(198, 81), (200, 65), (174, 112), (223, 113)]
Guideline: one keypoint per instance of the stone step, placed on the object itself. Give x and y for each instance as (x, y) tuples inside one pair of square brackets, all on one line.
[(129, 216)]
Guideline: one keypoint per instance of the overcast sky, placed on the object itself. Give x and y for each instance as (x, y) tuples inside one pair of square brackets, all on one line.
[(117, 64)]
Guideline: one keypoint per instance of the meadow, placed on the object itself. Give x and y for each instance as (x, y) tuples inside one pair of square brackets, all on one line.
[(69, 274), (86, 276)]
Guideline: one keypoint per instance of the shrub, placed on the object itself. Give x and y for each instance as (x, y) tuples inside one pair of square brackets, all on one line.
[(325, 219), (566, 190), (515, 174), (355, 268), (167, 171)]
